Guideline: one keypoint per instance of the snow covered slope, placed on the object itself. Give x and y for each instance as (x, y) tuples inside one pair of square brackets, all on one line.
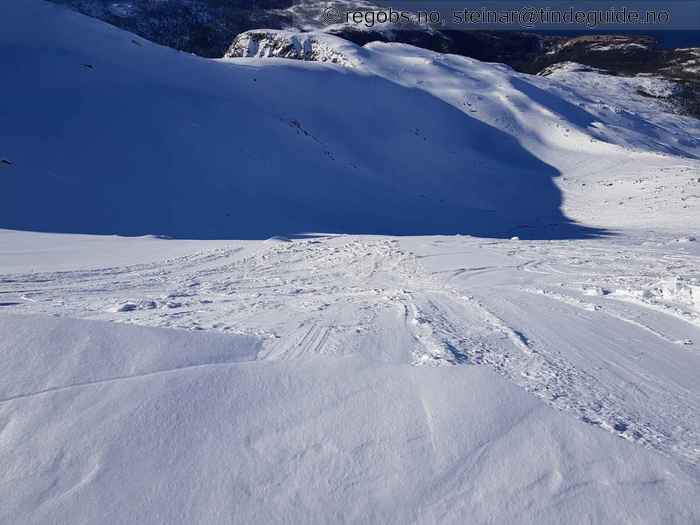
[(606, 329), (342, 377), (595, 108), (206, 438), (625, 158), (146, 140)]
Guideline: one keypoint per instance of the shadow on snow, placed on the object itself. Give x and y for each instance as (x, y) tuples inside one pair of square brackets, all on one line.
[(240, 152)]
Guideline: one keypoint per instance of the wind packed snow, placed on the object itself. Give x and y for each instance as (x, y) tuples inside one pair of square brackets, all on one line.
[(393, 286)]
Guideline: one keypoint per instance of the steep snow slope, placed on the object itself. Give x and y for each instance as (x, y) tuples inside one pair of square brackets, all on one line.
[(526, 106), (205, 438), (625, 159), (468, 147), (148, 140), (529, 107)]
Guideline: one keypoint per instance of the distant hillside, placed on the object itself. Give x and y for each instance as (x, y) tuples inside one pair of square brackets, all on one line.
[(137, 139), (207, 28)]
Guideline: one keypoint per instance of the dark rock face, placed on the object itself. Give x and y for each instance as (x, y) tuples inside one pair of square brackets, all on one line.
[(512, 48), (203, 27)]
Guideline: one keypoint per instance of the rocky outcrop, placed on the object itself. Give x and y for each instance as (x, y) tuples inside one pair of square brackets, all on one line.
[(316, 47)]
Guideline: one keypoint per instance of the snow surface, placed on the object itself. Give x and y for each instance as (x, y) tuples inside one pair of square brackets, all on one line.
[(35, 251), (620, 157), (314, 441), (540, 368)]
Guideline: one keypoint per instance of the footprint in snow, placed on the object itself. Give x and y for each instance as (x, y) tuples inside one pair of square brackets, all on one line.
[(130, 306)]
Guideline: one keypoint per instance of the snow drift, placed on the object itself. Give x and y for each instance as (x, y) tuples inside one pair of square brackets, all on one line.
[(183, 428)]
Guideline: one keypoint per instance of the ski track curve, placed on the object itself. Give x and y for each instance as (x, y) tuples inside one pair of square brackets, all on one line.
[(390, 299)]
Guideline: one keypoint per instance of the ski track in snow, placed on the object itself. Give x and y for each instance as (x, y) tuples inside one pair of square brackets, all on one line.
[(107, 422), (584, 326)]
